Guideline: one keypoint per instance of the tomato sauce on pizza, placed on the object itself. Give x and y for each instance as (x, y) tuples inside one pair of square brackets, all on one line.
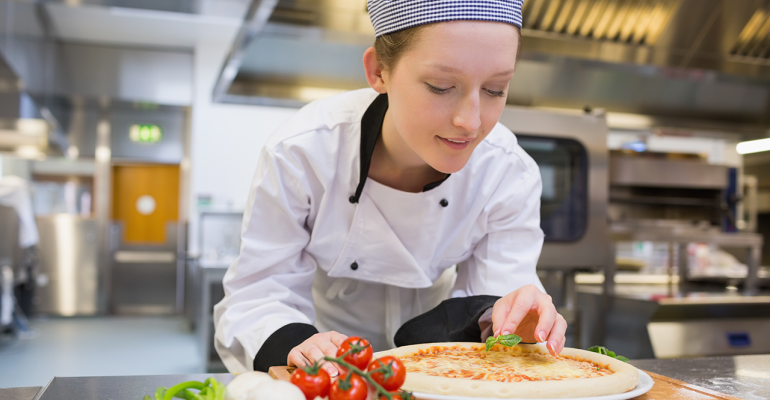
[(501, 364)]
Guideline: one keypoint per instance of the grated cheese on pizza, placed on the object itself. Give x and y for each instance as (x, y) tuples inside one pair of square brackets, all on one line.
[(501, 364)]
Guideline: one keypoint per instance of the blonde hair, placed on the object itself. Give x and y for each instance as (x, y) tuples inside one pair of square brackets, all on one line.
[(389, 48)]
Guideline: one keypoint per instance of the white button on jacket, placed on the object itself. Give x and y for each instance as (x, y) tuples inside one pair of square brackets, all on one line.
[(309, 255)]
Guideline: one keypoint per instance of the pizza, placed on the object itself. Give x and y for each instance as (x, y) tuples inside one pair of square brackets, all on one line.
[(522, 371)]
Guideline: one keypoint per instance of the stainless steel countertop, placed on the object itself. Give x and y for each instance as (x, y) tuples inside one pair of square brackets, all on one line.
[(109, 387), (21, 393), (746, 377)]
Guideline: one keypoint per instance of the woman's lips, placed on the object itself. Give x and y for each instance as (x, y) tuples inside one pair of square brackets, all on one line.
[(456, 144)]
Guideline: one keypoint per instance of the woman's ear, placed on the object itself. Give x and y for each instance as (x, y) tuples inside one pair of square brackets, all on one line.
[(373, 71)]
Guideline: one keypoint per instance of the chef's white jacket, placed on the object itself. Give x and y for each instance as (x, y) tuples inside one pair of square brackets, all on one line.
[(14, 192), (312, 253)]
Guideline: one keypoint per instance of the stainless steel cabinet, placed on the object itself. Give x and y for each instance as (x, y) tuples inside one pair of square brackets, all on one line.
[(67, 283)]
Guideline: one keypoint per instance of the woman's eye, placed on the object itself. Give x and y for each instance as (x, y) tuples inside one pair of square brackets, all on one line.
[(494, 93), (436, 90)]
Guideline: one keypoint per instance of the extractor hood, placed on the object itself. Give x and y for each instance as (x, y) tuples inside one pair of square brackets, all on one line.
[(699, 60)]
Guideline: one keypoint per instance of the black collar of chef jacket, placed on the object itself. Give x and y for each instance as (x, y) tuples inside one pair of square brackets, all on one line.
[(371, 128)]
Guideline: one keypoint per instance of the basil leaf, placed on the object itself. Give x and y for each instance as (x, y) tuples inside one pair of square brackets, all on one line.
[(603, 350), (506, 340), (509, 337), (490, 342), (510, 340)]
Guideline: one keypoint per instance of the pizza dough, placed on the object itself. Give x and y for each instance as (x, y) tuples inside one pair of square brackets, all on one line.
[(565, 376)]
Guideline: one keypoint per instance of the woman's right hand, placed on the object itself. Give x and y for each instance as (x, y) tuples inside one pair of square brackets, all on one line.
[(315, 348)]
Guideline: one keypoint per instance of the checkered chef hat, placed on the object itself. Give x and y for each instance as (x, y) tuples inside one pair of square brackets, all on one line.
[(389, 16)]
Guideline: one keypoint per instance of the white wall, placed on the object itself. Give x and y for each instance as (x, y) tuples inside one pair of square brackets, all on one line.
[(11, 164), (226, 139)]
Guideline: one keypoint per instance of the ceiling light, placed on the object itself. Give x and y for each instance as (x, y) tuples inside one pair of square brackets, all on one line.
[(753, 146)]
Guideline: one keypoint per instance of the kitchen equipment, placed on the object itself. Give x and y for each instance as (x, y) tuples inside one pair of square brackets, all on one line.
[(679, 199), (651, 321), (571, 151), (650, 186), (67, 283)]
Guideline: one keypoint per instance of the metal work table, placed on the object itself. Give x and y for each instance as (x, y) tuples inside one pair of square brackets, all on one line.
[(105, 387), (746, 377), (22, 393)]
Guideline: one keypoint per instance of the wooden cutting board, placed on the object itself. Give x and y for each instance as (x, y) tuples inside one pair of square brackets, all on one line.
[(665, 388), (668, 388), (281, 373)]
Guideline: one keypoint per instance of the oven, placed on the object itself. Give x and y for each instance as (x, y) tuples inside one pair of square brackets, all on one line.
[(571, 151)]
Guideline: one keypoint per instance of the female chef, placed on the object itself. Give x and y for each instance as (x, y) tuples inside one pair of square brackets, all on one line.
[(370, 208)]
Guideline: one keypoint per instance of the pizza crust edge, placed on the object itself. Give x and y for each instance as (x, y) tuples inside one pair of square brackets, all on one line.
[(624, 378)]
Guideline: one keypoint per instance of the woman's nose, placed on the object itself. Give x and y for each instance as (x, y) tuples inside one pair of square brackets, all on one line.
[(468, 115)]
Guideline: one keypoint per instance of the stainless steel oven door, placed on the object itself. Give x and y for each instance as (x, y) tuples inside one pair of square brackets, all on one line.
[(571, 151), (564, 173)]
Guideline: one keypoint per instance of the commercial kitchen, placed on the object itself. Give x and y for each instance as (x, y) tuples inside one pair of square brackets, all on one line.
[(130, 132)]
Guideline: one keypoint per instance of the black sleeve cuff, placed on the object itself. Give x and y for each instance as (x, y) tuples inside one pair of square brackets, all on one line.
[(276, 348), (454, 320)]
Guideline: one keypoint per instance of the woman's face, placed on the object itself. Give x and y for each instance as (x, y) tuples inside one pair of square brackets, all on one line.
[(447, 91)]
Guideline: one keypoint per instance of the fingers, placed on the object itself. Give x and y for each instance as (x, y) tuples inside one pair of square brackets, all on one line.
[(557, 339), (315, 348), (296, 358), (313, 353), (521, 303), (499, 312), (546, 317), (337, 339), (530, 313)]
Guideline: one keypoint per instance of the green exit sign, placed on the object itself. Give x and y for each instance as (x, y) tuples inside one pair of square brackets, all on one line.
[(145, 133)]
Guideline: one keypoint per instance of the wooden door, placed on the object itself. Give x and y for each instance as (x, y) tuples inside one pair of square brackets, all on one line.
[(145, 198)]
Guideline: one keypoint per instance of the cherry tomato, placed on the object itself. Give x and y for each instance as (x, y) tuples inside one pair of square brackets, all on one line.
[(360, 359), (357, 389), (311, 381), (395, 380), (397, 396)]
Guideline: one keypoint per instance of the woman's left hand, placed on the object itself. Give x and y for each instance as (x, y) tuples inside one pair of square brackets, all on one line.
[(530, 313)]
